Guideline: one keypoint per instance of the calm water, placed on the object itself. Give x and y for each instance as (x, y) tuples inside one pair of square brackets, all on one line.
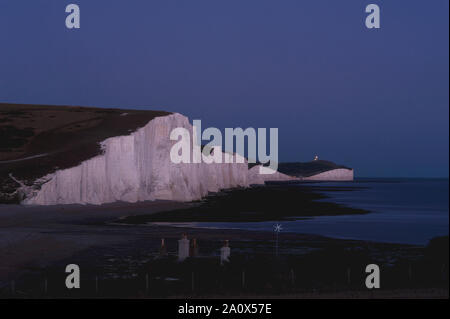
[(403, 211)]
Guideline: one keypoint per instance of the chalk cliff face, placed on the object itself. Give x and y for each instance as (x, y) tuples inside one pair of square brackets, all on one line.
[(338, 174), (137, 167), (255, 178)]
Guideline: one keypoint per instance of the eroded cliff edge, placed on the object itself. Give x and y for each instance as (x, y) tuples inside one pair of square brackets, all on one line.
[(75, 155), (37, 140), (137, 167)]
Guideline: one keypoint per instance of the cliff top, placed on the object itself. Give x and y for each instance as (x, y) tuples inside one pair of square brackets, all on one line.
[(308, 169), (59, 136)]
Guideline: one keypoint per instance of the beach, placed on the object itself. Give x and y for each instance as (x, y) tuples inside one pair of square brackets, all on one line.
[(120, 257)]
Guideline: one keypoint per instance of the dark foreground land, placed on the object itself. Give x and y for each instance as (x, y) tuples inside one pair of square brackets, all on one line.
[(308, 266), (124, 261)]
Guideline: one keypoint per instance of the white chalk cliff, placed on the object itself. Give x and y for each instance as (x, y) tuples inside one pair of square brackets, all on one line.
[(255, 178), (137, 167), (338, 174)]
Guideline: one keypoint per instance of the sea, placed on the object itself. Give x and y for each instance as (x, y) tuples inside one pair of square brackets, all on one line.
[(406, 211)]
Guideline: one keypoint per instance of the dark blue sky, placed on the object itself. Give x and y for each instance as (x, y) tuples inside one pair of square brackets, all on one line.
[(376, 100)]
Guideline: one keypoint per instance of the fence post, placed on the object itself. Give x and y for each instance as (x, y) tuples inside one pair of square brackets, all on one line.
[(410, 272), (348, 276), (443, 272), (292, 277)]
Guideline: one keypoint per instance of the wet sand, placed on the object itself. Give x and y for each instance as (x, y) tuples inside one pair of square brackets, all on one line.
[(33, 237)]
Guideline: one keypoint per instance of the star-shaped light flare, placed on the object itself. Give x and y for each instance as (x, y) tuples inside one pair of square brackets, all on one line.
[(277, 228)]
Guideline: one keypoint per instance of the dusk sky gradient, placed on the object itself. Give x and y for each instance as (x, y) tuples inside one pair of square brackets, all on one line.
[(375, 100)]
